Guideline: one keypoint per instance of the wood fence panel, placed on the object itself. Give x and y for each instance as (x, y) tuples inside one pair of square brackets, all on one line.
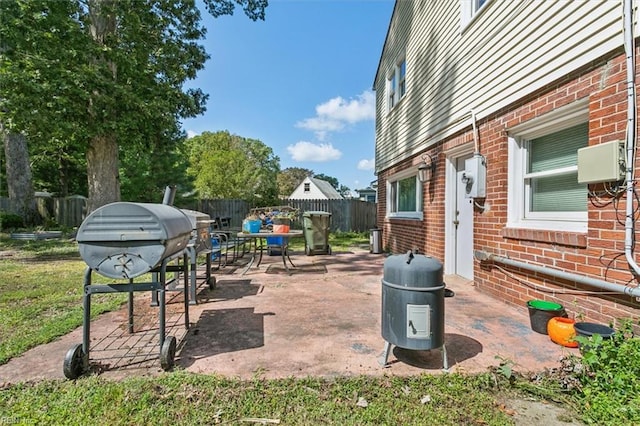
[(346, 215), (237, 210), (70, 211)]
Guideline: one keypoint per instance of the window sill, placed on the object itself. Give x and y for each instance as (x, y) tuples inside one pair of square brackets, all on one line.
[(408, 216), (571, 239)]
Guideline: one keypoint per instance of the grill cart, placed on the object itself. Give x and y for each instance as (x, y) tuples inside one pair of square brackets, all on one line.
[(123, 241)]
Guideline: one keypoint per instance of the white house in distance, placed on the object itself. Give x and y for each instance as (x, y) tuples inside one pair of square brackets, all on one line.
[(367, 194), (315, 189)]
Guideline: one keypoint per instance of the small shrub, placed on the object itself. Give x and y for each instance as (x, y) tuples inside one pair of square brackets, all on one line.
[(608, 374), (10, 221)]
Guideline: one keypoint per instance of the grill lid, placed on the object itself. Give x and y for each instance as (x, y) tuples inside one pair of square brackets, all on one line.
[(413, 270), (198, 219), (124, 221), (125, 240)]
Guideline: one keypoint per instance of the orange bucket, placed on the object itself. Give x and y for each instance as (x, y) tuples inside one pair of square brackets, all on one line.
[(281, 228), (562, 332)]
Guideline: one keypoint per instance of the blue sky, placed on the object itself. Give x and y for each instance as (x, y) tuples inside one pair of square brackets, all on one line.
[(300, 81)]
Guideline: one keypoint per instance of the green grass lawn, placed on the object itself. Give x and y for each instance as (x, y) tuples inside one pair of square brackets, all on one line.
[(41, 293), (192, 399)]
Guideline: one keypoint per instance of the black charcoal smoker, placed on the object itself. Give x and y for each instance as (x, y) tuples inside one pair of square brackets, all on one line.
[(122, 241), (413, 294)]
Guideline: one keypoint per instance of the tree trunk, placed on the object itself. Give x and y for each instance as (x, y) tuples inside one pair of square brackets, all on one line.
[(102, 154), (102, 172), (19, 183)]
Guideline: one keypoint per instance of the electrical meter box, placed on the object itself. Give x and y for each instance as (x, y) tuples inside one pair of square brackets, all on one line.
[(601, 163), (474, 177)]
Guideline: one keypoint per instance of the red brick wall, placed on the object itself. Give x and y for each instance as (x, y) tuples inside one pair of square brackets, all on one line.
[(598, 254)]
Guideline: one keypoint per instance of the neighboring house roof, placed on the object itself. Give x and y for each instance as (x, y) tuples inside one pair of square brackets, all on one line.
[(320, 189), (326, 188), (367, 194), (367, 190)]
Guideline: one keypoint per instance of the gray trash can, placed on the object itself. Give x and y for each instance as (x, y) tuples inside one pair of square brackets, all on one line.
[(375, 241)]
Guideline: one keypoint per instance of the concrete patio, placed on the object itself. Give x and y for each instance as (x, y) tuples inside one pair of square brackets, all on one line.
[(322, 320)]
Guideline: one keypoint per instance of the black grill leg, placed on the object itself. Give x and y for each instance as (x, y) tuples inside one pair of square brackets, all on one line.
[(86, 320), (131, 307)]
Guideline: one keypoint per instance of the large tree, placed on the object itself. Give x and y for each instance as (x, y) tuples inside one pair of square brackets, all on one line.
[(230, 166), (147, 169), (103, 74)]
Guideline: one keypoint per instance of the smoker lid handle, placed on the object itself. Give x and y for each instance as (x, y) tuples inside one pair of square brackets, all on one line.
[(409, 257)]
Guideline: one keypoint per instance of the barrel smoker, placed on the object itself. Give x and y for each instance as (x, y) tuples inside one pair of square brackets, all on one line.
[(122, 241)]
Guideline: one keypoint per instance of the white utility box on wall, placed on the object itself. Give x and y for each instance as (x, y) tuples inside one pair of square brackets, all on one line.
[(601, 163), (475, 177)]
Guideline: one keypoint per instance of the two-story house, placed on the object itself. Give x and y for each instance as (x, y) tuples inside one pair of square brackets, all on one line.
[(506, 147)]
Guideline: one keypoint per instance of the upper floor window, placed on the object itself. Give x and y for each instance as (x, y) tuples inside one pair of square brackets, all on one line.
[(404, 196), (469, 9), (544, 192), (307, 187), (396, 84)]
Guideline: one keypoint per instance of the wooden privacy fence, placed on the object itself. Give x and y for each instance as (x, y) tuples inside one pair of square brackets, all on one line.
[(66, 211), (346, 215)]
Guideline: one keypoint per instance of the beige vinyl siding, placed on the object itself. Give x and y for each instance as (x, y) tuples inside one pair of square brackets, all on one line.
[(513, 48)]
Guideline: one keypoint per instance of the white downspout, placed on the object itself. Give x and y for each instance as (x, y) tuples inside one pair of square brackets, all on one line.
[(629, 48)]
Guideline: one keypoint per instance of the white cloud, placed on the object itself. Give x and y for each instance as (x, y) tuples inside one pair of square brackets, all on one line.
[(335, 114), (366, 164), (307, 151), (191, 133)]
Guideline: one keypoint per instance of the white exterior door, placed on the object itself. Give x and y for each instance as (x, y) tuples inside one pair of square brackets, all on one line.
[(459, 224)]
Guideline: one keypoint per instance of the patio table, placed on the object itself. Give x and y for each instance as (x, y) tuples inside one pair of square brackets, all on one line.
[(256, 238)]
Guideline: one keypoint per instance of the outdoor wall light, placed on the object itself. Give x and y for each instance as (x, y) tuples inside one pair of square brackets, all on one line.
[(426, 171)]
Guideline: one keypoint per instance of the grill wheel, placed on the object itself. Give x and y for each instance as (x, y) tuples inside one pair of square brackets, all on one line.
[(168, 353), (74, 362)]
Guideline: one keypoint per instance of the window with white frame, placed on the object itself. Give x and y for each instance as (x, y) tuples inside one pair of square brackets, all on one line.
[(396, 84), (544, 192), (469, 9), (404, 195)]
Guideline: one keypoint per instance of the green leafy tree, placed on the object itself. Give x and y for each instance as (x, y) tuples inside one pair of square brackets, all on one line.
[(103, 74), (345, 191), (147, 170), (290, 178), (230, 166), (59, 167)]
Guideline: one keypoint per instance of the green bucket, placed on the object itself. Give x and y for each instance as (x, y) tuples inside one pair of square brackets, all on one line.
[(541, 311)]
